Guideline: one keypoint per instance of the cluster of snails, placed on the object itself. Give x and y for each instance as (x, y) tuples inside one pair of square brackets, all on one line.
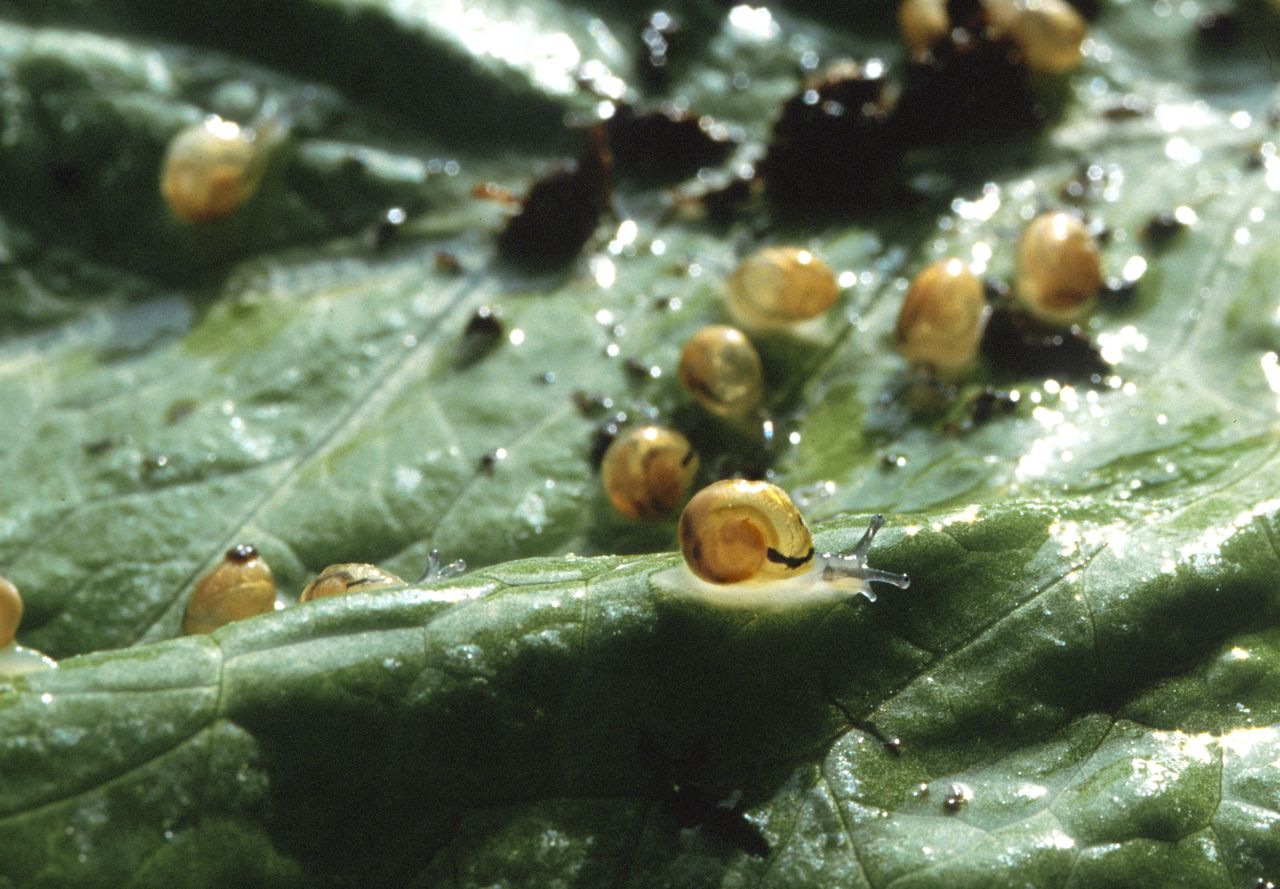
[(14, 658), (241, 585), (744, 542), (1048, 34), (1058, 276), (647, 472)]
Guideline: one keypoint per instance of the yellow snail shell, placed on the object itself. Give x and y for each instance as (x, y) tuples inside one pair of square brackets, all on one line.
[(239, 586)]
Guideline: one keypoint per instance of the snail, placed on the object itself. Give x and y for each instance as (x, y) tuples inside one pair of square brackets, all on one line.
[(924, 23), (239, 586), (212, 168), (647, 472), (780, 287), (1059, 270), (348, 577), (14, 658), (721, 370), (940, 323), (1048, 33), (746, 545)]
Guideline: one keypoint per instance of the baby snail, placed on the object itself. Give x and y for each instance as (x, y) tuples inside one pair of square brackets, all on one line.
[(721, 370), (348, 577), (212, 168), (940, 323), (647, 472), (1048, 33), (239, 586), (15, 659), (1059, 270), (923, 23), (745, 544), (779, 287)]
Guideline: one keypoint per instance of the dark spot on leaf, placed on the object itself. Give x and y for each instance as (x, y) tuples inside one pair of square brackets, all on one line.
[(180, 410), (98, 447), (694, 808), (1128, 108), (590, 405), (1160, 230), (241, 553), (1218, 29), (601, 437), (447, 264), (665, 145), (561, 211), (491, 459), (1015, 343), (833, 148), (384, 233), (483, 333), (954, 800)]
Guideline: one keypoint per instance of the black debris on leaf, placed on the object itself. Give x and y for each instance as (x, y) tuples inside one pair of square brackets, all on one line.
[(1160, 230), (693, 808), (447, 263), (985, 406), (1016, 344), (1218, 29), (1130, 107), (386, 229), (834, 147), (481, 336), (561, 211), (973, 86), (665, 145)]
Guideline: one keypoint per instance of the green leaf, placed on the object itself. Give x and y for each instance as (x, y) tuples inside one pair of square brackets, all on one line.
[(1082, 674)]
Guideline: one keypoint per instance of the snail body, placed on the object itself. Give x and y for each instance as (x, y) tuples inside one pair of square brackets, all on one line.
[(779, 287), (746, 545), (348, 577), (239, 586), (647, 472)]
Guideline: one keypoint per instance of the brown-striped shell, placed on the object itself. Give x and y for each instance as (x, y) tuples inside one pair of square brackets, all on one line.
[(1059, 269), (647, 472), (348, 577), (721, 370), (780, 286), (736, 531)]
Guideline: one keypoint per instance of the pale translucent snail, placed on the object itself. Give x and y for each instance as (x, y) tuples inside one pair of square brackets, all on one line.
[(940, 324), (746, 545), (15, 659), (239, 586), (721, 370), (213, 167), (1059, 270), (348, 577), (647, 472), (779, 287)]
